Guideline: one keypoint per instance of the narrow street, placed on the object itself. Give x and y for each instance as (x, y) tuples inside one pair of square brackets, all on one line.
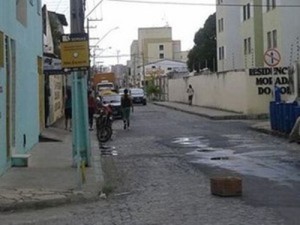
[(161, 175)]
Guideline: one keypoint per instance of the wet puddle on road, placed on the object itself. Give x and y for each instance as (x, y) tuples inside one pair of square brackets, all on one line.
[(245, 156)]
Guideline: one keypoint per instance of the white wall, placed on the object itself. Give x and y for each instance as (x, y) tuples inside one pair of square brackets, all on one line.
[(235, 91)]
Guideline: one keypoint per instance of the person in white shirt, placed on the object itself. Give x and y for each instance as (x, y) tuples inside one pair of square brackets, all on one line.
[(190, 92)]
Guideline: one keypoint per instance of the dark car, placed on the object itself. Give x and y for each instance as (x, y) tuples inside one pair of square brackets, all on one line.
[(115, 101), (138, 96)]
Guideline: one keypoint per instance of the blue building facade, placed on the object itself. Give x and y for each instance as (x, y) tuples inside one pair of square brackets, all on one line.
[(21, 77)]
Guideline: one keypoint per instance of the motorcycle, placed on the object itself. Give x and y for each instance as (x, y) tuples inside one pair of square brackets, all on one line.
[(104, 120)]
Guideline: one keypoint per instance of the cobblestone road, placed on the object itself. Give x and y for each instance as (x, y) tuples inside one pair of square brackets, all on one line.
[(154, 182)]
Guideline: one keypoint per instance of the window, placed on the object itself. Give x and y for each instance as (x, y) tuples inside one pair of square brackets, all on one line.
[(21, 8), (153, 67), (221, 53), (246, 12), (169, 68), (271, 4), (161, 47), (221, 25), (247, 46), (269, 40), (268, 5), (161, 55), (274, 32), (272, 39)]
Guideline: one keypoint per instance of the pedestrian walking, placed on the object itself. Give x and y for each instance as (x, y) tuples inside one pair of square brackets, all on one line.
[(126, 105), (91, 108), (190, 92), (68, 109)]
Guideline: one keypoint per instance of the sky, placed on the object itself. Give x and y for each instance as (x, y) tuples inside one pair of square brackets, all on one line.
[(120, 20)]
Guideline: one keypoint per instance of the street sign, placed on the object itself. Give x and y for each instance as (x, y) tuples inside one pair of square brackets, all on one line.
[(52, 66), (272, 57), (75, 51)]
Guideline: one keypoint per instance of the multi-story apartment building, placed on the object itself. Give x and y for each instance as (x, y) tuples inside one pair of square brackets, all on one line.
[(121, 74), (153, 44), (247, 29), (21, 77)]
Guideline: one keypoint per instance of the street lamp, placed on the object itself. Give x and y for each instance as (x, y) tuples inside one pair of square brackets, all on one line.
[(102, 50), (107, 33)]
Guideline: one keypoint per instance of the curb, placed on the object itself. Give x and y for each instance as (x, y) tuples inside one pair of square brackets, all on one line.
[(270, 132), (226, 117), (41, 204)]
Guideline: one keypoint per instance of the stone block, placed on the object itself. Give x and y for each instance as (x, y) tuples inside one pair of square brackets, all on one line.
[(226, 186)]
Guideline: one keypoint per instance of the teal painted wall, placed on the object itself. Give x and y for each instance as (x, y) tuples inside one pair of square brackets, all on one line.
[(28, 41)]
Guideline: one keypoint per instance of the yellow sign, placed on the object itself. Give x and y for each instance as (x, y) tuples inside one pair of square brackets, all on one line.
[(74, 52)]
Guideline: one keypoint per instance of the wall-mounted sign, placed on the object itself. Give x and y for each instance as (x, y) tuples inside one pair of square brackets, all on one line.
[(75, 51), (267, 78), (52, 66), (272, 57)]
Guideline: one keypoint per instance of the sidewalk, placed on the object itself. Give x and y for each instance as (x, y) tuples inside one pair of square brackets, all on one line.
[(50, 178), (262, 126)]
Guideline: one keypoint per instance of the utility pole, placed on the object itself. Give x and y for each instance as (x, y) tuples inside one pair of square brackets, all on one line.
[(88, 32), (81, 137)]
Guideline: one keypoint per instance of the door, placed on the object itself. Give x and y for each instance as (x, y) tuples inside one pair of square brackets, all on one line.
[(10, 67)]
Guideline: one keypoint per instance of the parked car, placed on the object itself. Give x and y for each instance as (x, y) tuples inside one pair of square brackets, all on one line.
[(114, 100), (121, 91), (138, 96)]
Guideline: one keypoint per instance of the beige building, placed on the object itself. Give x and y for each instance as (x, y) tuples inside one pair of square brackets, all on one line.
[(153, 44)]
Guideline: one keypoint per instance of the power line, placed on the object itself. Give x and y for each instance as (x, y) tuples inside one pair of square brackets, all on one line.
[(58, 5), (197, 4)]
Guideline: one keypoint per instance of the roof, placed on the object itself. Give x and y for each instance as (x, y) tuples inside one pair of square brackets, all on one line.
[(162, 60)]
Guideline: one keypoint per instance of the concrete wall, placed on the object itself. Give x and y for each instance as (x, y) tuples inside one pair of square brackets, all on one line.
[(234, 91), (24, 116)]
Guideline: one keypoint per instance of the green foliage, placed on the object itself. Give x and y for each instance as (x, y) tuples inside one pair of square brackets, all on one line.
[(153, 91), (204, 52), (56, 34)]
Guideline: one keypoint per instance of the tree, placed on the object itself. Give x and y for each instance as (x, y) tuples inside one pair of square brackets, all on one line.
[(56, 33), (204, 53)]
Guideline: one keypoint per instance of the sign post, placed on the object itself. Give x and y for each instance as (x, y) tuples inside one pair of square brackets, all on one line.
[(75, 58), (272, 58)]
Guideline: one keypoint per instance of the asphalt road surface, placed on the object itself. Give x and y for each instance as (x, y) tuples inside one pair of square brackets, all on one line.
[(160, 175)]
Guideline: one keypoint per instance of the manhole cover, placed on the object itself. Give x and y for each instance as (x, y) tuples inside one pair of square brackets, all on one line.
[(220, 158), (205, 150)]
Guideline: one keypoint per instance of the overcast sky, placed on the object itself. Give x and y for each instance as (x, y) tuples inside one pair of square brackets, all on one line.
[(185, 17)]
